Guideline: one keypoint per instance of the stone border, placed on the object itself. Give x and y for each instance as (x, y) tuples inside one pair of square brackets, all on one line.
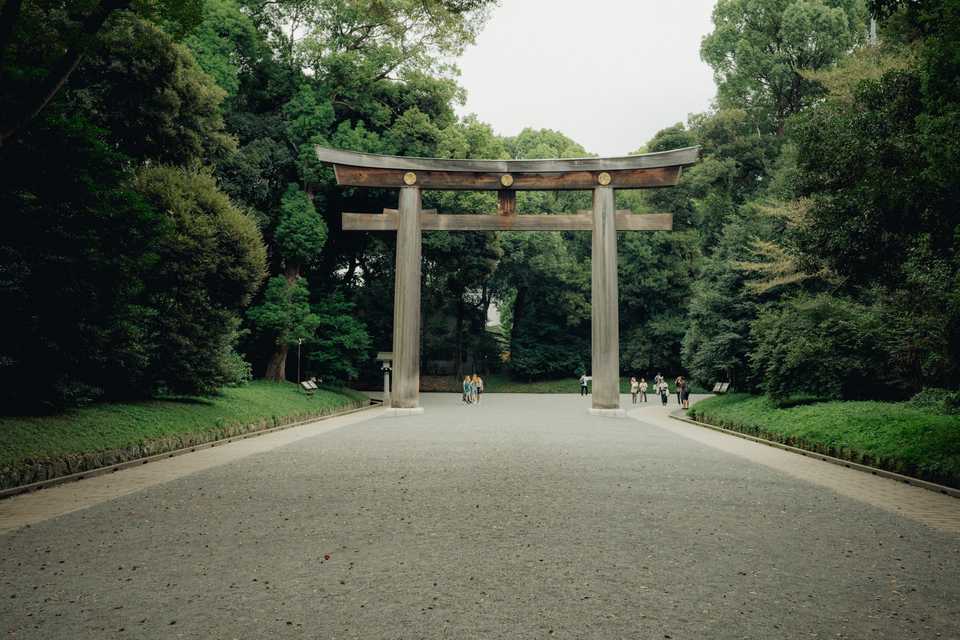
[(129, 458), (924, 484)]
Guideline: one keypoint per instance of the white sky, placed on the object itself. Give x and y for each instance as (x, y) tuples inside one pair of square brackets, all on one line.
[(607, 73)]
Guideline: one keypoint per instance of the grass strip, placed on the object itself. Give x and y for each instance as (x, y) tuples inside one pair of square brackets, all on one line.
[(34, 448), (888, 435)]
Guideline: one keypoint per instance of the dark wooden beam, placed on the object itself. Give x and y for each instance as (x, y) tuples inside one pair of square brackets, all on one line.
[(459, 180), (626, 221)]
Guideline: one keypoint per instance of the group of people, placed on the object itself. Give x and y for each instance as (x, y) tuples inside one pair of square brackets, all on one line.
[(472, 389), (662, 389)]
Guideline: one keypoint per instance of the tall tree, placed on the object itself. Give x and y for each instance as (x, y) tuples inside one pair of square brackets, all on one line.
[(24, 99), (285, 312), (760, 49)]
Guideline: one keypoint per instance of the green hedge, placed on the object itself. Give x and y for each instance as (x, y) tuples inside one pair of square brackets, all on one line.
[(36, 448), (893, 436)]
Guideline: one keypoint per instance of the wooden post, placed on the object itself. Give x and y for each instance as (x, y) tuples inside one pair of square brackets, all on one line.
[(507, 203), (406, 304), (604, 306)]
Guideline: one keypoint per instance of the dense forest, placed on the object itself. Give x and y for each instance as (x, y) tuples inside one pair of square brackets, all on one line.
[(168, 228)]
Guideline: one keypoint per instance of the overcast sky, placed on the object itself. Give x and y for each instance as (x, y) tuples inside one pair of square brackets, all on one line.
[(607, 73)]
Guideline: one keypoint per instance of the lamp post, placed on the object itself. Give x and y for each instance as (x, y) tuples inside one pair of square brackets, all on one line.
[(299, 342)]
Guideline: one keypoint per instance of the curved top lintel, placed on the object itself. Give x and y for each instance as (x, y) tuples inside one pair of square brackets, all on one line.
[(673, 158)]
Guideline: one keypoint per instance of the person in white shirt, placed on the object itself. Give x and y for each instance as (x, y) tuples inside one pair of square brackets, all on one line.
[(664, 390)]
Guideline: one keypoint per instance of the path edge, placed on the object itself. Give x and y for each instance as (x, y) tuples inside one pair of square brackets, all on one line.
[(891, 475), (99, 471)]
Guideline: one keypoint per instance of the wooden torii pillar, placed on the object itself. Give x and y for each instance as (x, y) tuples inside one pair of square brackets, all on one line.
[(602, 175)]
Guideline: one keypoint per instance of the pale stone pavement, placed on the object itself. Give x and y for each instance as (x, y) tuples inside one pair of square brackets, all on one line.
[(520, 518)]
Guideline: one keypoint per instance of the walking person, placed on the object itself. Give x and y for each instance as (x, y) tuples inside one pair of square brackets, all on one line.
[(685, 394), (583, 384), (477, 387), (643, 389), (467, 390), (678, 383), (634, 389), (663, 389)]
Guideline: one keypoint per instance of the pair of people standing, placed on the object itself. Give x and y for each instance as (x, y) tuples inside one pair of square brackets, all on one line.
[(638, 388), (472, 389)]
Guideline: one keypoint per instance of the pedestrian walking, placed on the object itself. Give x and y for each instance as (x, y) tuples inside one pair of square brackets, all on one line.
[(643, 389), (467, 389), (477, 387), (583, 384), (634, 389), (678, 383), (664, 390)]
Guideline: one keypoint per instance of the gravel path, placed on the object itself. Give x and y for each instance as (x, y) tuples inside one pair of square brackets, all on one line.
[(521, 518)]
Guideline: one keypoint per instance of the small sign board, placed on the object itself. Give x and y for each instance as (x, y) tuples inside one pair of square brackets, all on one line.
[(385, 356), (724, 387)]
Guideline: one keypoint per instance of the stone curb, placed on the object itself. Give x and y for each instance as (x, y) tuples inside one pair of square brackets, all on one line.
[(923, 484), (99, 471)]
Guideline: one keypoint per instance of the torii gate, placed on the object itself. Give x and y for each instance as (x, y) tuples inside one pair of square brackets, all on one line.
[(602, 175)]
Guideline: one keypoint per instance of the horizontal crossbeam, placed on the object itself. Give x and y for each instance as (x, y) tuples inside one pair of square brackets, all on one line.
[(389, 221), (348, 176)]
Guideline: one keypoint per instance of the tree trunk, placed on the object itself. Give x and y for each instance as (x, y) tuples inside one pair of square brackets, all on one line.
[(459, 340), (60, 73), (518, 304), (277, 367)]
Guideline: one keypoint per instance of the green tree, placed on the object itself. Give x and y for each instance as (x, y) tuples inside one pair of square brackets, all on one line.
[(226, 44), (760, 49), (75, 261), (126, 277), (656, 271), (211, 261), (717, 342), (823, 346), (74, 32), (342, 343), (876, 160), (285, 313), (177, 120)]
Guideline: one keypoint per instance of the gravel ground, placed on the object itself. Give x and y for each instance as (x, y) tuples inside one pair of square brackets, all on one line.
[(520, 518)]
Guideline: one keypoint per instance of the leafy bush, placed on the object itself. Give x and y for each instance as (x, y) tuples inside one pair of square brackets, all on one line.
[(946, 401), (826, 346), (212, 260), (237, 371)]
